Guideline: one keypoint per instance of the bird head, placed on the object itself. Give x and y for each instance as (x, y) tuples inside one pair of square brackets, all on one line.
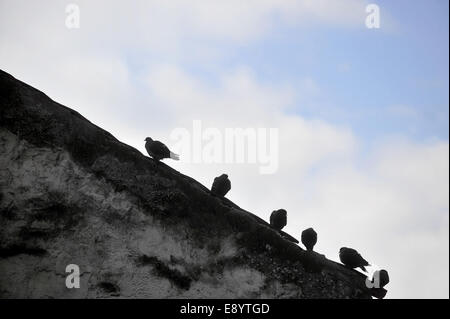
[(224, 176), (148, 139)]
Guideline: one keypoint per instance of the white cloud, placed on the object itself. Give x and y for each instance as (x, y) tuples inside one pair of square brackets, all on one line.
[(164, 25), (378, 205), (381, 205)]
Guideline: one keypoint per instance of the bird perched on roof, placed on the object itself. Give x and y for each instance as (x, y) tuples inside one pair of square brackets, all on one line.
[(158, 150), (352, 259), (309, 238), (221, 185), (278, 219), (383, 277)]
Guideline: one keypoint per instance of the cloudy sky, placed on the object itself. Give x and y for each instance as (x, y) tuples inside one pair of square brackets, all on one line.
[(362, 114)]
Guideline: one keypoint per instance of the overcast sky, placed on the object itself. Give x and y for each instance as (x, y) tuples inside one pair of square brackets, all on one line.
[(362, 113)]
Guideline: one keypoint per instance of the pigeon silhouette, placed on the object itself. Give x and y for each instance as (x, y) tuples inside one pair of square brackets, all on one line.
[(309, 238), (158, 150), (221, 185), (352, 259), (278, 219)]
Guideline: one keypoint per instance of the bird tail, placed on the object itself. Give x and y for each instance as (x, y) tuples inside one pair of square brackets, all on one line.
[(174, 156)]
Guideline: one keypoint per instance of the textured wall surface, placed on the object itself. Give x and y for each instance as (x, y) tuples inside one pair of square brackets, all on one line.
[(70, 193)]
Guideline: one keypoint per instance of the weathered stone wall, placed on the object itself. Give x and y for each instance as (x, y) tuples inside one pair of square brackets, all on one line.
[(70, 193)]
